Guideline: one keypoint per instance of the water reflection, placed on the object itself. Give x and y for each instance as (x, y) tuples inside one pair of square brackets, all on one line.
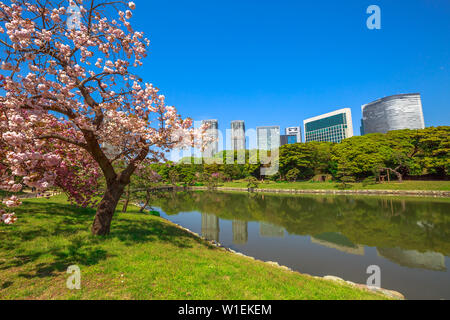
[(210, 227), (414, 259), (339, 242), (270, 231), (338, 235), (240, 232)]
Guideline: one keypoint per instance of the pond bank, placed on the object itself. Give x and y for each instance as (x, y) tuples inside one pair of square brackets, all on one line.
[(144, 257), (425, 193), (391, 294)]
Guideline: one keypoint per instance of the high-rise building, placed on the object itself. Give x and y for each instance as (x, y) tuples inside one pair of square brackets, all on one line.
[(238, 135), (331, 127), (296, 131), (268, 138), (401, 111), (293, 135), (213, 132), (287, 139)]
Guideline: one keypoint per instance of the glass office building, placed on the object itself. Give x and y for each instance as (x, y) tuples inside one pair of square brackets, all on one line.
[(212, 132), (331, 127), (238, 135), (297, 131), (397, 112), (268, 138), (288, 139)]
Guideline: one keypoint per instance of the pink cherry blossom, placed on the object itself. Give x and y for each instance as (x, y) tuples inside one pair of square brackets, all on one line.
[(75, 104), (8, 218)]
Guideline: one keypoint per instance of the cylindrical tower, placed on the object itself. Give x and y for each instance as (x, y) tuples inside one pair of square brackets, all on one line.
[(402, 111)]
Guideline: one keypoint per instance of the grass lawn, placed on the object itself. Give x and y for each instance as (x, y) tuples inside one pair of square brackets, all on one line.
[(145, 257), (406, 185)]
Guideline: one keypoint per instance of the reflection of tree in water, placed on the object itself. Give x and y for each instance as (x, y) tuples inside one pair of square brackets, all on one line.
[(412, 224)]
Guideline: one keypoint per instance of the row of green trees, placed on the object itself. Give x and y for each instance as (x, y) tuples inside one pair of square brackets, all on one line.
[(396, 154)]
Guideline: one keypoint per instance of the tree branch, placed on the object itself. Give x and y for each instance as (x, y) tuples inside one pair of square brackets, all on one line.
[(65, 139)]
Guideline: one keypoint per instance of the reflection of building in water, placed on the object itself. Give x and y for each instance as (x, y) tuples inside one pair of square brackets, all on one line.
[(210, 227), (270, 231), (240, 232), (414, 259), (339, 242)]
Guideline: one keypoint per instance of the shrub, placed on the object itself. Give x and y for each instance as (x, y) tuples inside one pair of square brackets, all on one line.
[(346, 182), (292, 175), (252, 182)]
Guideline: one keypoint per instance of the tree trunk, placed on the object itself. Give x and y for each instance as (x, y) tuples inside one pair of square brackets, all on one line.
[(147, 200), (106, 208), (127, 200)]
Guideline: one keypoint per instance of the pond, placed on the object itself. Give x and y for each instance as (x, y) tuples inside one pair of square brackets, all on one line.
[(408, 238)]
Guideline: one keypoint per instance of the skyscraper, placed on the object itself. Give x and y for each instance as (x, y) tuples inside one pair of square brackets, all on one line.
[(296, 131), (268, 137), (401, 111), (331, 127), (237, 135), (293, 135), (213, 132)]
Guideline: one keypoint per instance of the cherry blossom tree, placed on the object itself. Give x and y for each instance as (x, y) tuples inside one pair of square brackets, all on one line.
[(73, 101), (41, 164)]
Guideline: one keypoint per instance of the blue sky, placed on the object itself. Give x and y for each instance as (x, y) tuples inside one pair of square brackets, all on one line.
[(280, 62)]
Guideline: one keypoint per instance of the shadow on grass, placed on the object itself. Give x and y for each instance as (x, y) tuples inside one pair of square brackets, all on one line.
[(69, 223), (77, 253), (6, 284), (131, 232)]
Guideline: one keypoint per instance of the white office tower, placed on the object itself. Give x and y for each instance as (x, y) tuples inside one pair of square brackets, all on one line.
[(268, 137), (330, 127), (211, 133), (238, 135), (295, 131)]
